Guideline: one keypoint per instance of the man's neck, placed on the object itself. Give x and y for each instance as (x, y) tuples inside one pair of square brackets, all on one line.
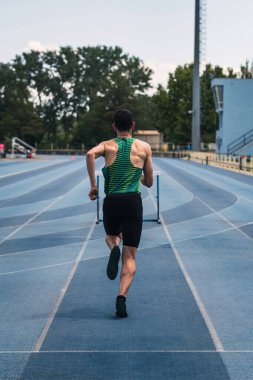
[(126, 134)]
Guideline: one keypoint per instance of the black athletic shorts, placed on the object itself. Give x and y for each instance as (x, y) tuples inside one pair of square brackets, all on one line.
[(122, 213)]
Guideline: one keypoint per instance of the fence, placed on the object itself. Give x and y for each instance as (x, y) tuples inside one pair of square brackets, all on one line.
[(228, 161)]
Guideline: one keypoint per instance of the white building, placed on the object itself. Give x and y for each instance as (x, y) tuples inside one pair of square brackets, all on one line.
[(153, 137)]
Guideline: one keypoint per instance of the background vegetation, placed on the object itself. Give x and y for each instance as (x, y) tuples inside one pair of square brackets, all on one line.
[(67, 97)]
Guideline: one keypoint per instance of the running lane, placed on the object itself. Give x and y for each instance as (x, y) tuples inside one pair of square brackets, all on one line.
[(190, 307), (165, 335), (39, 245)]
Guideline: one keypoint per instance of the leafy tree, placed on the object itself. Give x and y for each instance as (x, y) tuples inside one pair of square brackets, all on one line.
[(17, 114), (67, 85), (95, 125), (173, 105), (246, 70)]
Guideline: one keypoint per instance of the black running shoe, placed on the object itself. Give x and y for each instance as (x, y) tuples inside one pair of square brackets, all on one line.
[(121, 307), (112, 266)]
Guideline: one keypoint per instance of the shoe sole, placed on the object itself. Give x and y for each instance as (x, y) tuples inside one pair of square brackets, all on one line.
[(121, 311), (121, 315), (112, 267)]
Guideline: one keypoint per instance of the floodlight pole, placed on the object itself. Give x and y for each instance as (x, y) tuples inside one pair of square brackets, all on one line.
[(196, 83)]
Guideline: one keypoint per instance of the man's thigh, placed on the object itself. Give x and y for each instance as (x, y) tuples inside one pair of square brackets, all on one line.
[(123, 213), (111, 217), (132, 222)]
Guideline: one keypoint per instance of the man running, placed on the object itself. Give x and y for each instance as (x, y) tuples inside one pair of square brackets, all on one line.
[(128, 162)]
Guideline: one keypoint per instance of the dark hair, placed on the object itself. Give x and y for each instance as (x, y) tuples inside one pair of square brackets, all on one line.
[(123, 120)]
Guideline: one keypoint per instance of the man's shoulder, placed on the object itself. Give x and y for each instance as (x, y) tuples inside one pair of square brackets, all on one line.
[(110, 145), (108, 142), (143, 144)]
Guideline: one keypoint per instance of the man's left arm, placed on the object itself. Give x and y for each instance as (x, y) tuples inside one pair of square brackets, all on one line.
[(91, 156), (147, 178)]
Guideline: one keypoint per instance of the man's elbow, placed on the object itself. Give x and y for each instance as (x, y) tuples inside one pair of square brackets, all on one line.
[(149, 182), (90, 156)]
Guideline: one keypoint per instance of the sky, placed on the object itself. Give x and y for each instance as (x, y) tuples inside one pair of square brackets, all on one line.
[(159, 32)]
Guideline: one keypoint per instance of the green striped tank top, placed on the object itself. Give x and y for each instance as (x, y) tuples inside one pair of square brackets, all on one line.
[(122, 176)]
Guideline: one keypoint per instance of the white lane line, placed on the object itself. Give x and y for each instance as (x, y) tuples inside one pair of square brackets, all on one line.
[(213, 333), (123, 351), (65, 218), (246, 199), (63, 291), (225, 219), (63, 263), (38, 268), (16, 173), (171, 179), (107, 351), (39, 250), (42, 211), (198, 177), (219, 212), (209, 234), (32, 169), (66, 262), (53, 265), (220, 178), (203, 216), (6, 202), (98, 257), (150, 351)]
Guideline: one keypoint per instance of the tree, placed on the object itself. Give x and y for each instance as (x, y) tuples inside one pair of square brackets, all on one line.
[(246, 70), (173, 105), (95, 125), (67, 85), (17, 114)]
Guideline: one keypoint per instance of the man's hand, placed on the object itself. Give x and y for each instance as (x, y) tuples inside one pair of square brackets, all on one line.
[(91, 155), (93, 194)]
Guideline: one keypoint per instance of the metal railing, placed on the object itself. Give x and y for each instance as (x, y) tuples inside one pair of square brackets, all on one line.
[(21, 146), (240, 142), (240, 163)]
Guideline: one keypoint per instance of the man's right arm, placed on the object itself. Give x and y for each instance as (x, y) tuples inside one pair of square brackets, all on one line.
[(147, 178), (91, 155)]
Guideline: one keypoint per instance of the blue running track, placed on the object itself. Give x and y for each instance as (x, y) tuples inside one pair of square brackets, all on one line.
[(190, 305)]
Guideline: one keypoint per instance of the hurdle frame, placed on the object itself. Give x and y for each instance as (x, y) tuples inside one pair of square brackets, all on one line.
[(157, 219)]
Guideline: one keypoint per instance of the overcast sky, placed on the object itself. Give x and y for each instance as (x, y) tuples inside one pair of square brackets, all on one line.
[(160, 32)]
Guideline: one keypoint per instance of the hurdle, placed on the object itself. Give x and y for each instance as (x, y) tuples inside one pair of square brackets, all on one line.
[(156, 174)]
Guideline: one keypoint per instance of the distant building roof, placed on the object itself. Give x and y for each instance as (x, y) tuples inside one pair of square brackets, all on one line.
[(150, 132)]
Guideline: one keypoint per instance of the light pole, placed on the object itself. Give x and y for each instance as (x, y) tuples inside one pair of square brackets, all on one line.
[(196, 83)]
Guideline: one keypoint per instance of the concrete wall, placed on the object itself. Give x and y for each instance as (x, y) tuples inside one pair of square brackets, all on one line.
[(153, 138), (236, 117)]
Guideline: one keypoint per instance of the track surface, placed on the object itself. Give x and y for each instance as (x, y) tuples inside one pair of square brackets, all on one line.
[(190, 306)]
